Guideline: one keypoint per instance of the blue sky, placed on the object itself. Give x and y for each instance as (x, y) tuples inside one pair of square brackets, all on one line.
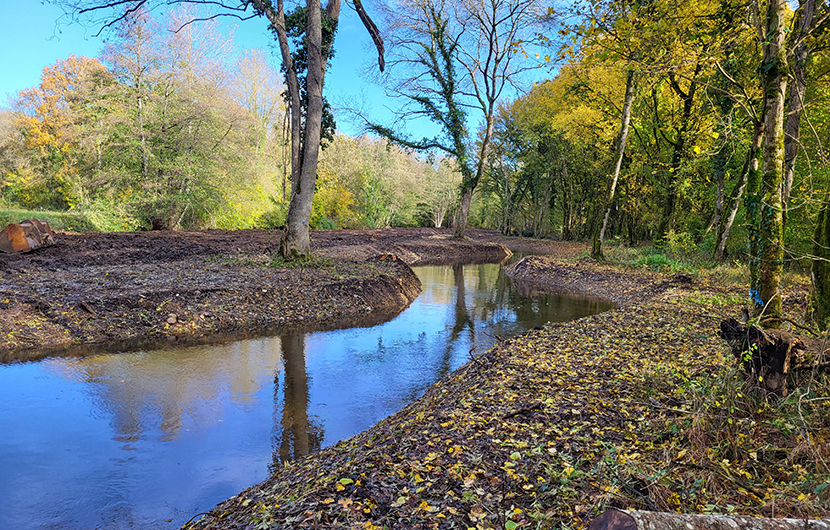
[(31, 39)]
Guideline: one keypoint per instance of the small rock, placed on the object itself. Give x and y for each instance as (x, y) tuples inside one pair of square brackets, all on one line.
[(171, 318)]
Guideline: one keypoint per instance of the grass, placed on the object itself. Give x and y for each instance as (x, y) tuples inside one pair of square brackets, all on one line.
[(69, 221)]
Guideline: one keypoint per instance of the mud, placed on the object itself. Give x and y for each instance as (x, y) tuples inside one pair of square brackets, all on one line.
[(116, 291)]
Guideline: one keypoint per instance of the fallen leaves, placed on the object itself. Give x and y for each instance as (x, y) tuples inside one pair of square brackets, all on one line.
[(548, 429)]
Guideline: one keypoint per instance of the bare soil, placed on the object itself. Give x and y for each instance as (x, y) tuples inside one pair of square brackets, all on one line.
[(112, 291)]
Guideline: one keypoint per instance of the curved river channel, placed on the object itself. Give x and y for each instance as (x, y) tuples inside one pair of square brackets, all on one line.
[(148, 439)]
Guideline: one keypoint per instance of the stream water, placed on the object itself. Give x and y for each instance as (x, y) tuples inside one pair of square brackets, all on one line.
[(148, 439)]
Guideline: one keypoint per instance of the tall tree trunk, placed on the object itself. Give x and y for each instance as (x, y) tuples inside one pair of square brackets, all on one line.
[(750, 167), (470, 184), (819, 311), (719, 162), (296, 242), (305, 149), (752, 204), (770, 229), (567, 207), (628, 102), (795, 103), (679, 151)]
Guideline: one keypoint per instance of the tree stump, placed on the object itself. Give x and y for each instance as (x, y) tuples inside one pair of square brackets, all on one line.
[(765, 355), (640, 520)]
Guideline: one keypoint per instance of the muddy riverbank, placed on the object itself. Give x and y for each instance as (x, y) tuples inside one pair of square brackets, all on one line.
[(96, 291)]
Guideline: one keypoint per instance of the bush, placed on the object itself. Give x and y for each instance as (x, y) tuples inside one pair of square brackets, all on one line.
[(682, 242), (657, 262)]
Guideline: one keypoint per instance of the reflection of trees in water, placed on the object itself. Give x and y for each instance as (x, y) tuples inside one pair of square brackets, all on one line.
[(462, 319), (295, 434), (142, 392)]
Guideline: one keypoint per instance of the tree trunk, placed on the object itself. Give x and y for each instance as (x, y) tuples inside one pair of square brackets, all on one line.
[(688, 98), (470, 184), (819, 311), (640, 520), (463, 212), (567, 207), (720, 178), (795, 103), (770, 228), (750, 167), (628, 102), (296, 242)]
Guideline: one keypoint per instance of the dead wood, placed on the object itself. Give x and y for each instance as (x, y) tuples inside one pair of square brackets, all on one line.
[(641, 520), (768, 355)]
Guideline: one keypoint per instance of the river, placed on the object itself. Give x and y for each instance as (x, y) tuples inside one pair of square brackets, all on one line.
[(148, 439)]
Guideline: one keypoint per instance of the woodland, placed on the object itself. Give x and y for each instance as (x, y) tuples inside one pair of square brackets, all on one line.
[(695, 126), (685, 137)]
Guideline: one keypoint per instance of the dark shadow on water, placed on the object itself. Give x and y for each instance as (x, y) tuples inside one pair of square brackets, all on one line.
[(295, 434)]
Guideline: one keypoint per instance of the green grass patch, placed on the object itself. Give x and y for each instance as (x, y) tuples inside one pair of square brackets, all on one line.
[(69, 221), (90, 220)]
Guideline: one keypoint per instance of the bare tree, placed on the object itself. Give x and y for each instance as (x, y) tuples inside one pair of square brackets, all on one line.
[(453, 57)]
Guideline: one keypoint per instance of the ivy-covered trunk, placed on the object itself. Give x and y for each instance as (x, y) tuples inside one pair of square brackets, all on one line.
[(820, 296), (770, 252)]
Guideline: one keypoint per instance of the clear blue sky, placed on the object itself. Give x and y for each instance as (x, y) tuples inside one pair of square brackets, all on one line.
[(31, 39)]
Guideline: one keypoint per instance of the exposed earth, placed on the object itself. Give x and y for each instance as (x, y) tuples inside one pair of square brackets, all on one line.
[(128, 290), (638, 407)]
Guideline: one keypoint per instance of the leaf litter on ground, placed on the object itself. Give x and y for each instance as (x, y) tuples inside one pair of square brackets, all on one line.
[(639, 407)]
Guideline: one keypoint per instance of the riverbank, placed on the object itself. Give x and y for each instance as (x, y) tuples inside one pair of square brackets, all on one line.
[(637, 408), (122, 291)]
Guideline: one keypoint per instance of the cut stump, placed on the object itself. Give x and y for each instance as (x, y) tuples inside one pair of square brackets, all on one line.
[(26, 235)]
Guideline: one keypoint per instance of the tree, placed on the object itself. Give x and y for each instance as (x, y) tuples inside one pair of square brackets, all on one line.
[(295, 240), (628, 101), (450, 58), (56, 119)]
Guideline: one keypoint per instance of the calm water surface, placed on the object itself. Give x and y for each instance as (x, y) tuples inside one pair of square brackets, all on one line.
[(148, 439)]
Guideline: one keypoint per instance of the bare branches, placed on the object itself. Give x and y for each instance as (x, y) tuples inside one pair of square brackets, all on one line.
[(373, 31), (213, 17)]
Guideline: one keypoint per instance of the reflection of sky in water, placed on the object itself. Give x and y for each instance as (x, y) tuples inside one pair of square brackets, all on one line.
[(134, 440)]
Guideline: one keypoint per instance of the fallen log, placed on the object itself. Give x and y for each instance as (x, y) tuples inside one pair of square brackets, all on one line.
[(26, 235), (768, 355), (640, 520)]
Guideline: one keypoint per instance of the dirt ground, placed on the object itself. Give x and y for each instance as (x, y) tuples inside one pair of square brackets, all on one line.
[(627, 408), (126, 290)]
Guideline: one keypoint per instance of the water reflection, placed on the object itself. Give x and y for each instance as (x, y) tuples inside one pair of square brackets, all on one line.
[(147, 439), (295, 434)]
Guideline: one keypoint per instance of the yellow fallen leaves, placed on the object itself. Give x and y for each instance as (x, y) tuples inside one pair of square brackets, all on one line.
[(550, 428)]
